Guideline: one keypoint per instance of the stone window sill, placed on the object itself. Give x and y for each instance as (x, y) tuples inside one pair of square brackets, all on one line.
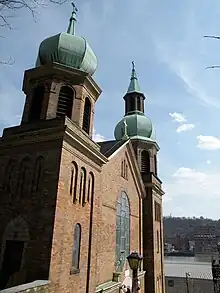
[(74, 271)]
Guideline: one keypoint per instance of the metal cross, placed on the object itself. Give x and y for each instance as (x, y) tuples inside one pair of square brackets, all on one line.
[(74, 8)]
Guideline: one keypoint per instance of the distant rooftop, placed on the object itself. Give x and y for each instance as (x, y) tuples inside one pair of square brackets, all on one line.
[(197, 270)]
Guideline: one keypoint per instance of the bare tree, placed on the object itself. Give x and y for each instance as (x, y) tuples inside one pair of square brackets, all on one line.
[(10, 7)]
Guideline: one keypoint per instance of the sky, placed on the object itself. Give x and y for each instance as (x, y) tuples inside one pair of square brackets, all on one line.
[(165, 39)]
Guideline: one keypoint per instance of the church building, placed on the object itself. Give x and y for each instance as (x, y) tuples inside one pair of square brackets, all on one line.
[(71, 209)]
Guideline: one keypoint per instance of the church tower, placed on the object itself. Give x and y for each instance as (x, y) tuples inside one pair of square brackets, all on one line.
[(49, 172), (61, 85), (139, 129)]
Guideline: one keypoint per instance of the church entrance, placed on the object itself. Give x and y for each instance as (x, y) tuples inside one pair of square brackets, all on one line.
[(11, 261)]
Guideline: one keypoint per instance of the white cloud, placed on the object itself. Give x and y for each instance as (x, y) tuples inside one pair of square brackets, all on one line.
[(208, 162), (207, 142), (178, 117), (185, 127), (197, 192), (189, 174), (97, 137)]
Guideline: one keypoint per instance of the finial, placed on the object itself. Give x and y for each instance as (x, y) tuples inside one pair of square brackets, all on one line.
[(71, 27), (133, 65), (133, 86)]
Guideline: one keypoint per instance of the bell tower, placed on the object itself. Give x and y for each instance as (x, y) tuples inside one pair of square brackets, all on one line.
[(140, 130), (61, 84)]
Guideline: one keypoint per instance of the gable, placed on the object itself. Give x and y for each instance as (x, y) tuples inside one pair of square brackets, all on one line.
[(121, 155)]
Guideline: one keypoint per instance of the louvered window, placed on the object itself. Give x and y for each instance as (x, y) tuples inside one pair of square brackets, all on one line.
[(36, 103), (65, 102), (87, 115), (145, 162)]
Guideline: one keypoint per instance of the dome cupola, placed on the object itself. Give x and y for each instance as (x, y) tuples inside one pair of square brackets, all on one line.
[(134, 124), (68, 49)]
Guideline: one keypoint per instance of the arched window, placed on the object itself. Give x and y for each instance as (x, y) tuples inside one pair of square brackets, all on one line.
[(145, 162), (9, 175), (76, 247), (65, 102), (36, 103), (155, 164), (131, 104), (73, 181), (23, 181), (122, 230), (38, 174), (126, 171), (86, 115), (90, 187), (122, 168), (139, 103), (82, 186)]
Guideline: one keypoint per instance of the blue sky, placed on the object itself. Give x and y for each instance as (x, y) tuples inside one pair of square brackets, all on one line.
[(165, 39)]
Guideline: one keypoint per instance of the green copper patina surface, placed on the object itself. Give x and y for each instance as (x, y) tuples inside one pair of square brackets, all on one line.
[(68, 49), (135, 125), (134, 85)]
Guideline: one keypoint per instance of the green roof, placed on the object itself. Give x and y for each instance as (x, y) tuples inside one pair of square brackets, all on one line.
[(135, 126), (68, 49), (134, 85)]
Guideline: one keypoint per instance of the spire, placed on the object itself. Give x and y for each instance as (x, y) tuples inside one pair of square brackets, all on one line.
[(134, 85), (71, 27)]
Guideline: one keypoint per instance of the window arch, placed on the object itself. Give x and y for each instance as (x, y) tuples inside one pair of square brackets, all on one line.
[(82, 186), (73, 181), (122, 230), (139, 103), (65, 102), (38, 174), (9, 175), (76, 247), (91, 186), (36, 103), (23, 181), (87, 115), (145, 162)]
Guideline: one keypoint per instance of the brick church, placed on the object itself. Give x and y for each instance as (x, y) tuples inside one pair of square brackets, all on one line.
[(71, 209)]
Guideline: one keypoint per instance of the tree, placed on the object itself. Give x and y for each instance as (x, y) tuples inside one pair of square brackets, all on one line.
[(10, 7), (7, 7)]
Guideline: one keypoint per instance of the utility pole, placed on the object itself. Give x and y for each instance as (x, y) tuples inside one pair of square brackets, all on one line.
[(187, 282)]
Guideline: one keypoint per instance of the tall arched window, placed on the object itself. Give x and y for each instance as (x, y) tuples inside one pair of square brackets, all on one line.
[(65, 102), (23, 181), (139, 103), (36, 103), (38, 174), (145, 162), (76, 248), (90, 187), (122, 230), (73, 181), (9, 175), (87, 115), (82, 186)]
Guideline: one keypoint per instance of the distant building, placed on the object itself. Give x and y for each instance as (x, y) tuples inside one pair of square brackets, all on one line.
[(205, 240), (199, 278)]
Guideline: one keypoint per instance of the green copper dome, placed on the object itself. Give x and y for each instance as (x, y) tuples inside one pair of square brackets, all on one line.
[(68, 49), (135, 126)]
